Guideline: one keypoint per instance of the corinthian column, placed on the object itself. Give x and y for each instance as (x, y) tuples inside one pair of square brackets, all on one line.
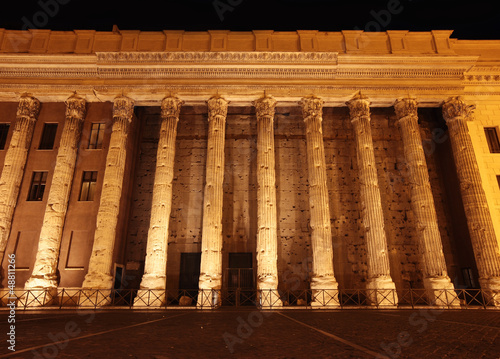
[(267, 236), (99, 274), (155, 268), (211, 242), (422, 203), (380, 282), (45, 267), (323, 283), (15, 160), (457, 112)]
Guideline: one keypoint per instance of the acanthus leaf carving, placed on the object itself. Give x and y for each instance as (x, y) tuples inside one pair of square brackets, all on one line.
[(123, 107), (312, 106), (28, 107), (359, 106), (75, 107), (171, 107), (456, 107), (405, 107), (265, 107), (217, 106)]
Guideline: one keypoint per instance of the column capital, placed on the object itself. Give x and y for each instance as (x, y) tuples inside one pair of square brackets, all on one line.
[(265, 107), (123, 107), (75, 107), (359, 106), (312, 106), (405, 107), (217, 106), (171, 107), (456, 107), (28, 107)]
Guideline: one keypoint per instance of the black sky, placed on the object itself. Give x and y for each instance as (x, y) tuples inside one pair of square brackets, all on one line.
[(470, 20)]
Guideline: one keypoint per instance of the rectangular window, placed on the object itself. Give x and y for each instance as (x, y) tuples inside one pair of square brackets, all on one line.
[(4, 131), (492, 138), (48, 136), (89, 181), (37, 186), (498, 180), (96, 135)]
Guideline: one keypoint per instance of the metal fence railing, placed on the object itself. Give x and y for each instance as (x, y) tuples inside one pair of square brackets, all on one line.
[(266, 299)]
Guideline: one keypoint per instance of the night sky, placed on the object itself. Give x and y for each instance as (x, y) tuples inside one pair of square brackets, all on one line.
[(470, 20)]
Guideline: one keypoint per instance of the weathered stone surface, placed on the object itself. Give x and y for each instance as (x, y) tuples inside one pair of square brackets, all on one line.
[(211, 251), (323, 277), (429, 239), (100, 264), (379, 277), (44, 271), (14, 163), (267, 236), (155, 269), (457, 112)]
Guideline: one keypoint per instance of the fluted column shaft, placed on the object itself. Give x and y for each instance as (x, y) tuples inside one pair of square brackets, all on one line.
[(321, 235), (155, 269), (457, 112), (45, 267), (267, 236), (211, 245), (372, 213), (99, 274), (14, 163), (422, 203)]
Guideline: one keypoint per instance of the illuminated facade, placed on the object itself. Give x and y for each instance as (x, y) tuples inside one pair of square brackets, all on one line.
[(273, 162)]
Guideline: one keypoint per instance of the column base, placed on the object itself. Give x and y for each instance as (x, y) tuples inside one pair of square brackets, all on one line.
[(38, 297), (152, 281), (269, 299), (381, 291), (95, 298), (324, 292), (441, 292), (491, 290), (208, 298), (150, 298), (98, 281)]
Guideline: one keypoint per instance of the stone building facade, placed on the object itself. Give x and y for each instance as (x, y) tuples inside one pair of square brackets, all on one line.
[(272, 161)]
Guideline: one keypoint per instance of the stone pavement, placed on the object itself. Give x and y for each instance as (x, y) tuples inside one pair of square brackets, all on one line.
[(248, 333)]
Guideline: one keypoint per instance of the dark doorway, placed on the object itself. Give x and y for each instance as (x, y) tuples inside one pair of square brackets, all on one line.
[(189, 274), (240, 280)]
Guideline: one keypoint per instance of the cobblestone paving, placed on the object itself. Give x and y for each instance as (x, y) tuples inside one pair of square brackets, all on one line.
[(247, 333)]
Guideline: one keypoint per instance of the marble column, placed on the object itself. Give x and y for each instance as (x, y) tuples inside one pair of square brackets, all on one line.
[(155, 269), (100, 269), (44, 274), (436, 279), (323, 284), (211, 242), (380, 287), (456, 113), (14, 163), (267, 236)]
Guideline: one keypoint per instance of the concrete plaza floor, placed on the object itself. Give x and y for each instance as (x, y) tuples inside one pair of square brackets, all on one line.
[(249, 333)]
